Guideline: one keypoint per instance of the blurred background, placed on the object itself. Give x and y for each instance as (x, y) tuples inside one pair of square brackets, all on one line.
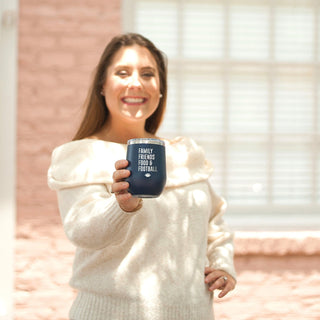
[(243, 82)]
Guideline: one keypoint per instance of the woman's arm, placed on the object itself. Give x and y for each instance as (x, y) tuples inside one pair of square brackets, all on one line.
[(220, 249), (92, 217)]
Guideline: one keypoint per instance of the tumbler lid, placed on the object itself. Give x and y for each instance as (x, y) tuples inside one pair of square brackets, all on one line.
[(146, 141)]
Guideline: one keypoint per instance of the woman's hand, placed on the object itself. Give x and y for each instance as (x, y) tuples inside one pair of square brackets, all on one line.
[(120, 188), (218, 279)]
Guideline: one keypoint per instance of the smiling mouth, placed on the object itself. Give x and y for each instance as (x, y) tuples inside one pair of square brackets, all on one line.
[(134, 100)]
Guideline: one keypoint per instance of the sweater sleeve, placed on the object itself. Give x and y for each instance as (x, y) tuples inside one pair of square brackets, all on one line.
[(220, 238), (91, 216), (80, 173)]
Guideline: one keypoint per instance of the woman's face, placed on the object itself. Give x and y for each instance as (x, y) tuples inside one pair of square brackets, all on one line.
[(132, 86)]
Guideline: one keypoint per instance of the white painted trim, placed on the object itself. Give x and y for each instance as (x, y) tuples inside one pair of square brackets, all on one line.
[(8, 93)]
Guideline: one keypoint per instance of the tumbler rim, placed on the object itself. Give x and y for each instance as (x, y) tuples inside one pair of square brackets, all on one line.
[(146, 141)]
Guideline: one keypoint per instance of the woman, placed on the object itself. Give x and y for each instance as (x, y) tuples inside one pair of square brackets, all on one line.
[(157, 259)]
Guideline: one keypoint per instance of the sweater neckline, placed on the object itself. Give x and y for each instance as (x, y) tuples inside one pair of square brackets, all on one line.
[(167, 141)]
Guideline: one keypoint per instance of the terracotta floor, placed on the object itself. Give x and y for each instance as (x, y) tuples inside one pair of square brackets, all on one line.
[(269, 290), (43, 265)]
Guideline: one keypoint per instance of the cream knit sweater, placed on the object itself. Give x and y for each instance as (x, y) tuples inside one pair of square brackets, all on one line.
[(146, 265)]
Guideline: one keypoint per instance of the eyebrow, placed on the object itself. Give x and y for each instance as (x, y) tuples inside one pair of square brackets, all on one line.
[(128, 66)]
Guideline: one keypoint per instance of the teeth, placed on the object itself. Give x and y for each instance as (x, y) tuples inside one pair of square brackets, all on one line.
[(133, 100)]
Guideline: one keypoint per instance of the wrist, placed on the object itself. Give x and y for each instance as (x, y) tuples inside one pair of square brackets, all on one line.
[(138, 207)]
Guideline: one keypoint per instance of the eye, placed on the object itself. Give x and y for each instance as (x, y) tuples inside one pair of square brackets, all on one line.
[(122, 73), (148, 74)]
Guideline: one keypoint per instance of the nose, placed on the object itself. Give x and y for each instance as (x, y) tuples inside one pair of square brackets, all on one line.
[(134, 82)]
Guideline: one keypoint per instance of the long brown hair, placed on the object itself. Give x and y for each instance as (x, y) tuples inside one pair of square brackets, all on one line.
[(97, 112)]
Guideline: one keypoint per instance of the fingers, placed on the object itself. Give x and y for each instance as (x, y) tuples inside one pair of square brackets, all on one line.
[(119, 186), (121, 164), (215, 281), (218, 279), (212, 274), (208, 270), (120, 173), (228, 287)]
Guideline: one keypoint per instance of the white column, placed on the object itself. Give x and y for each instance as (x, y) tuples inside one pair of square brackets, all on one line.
[(8, 91)]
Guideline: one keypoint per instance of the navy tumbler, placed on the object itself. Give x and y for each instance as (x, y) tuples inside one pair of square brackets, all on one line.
[(147, 163)]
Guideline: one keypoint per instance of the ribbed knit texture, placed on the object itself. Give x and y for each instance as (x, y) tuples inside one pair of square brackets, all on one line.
[(146, 265), (91, 306)]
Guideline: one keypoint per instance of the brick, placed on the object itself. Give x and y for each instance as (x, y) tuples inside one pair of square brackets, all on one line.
[(50, 95), (30, 42), (78, 41), (58, 59)]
